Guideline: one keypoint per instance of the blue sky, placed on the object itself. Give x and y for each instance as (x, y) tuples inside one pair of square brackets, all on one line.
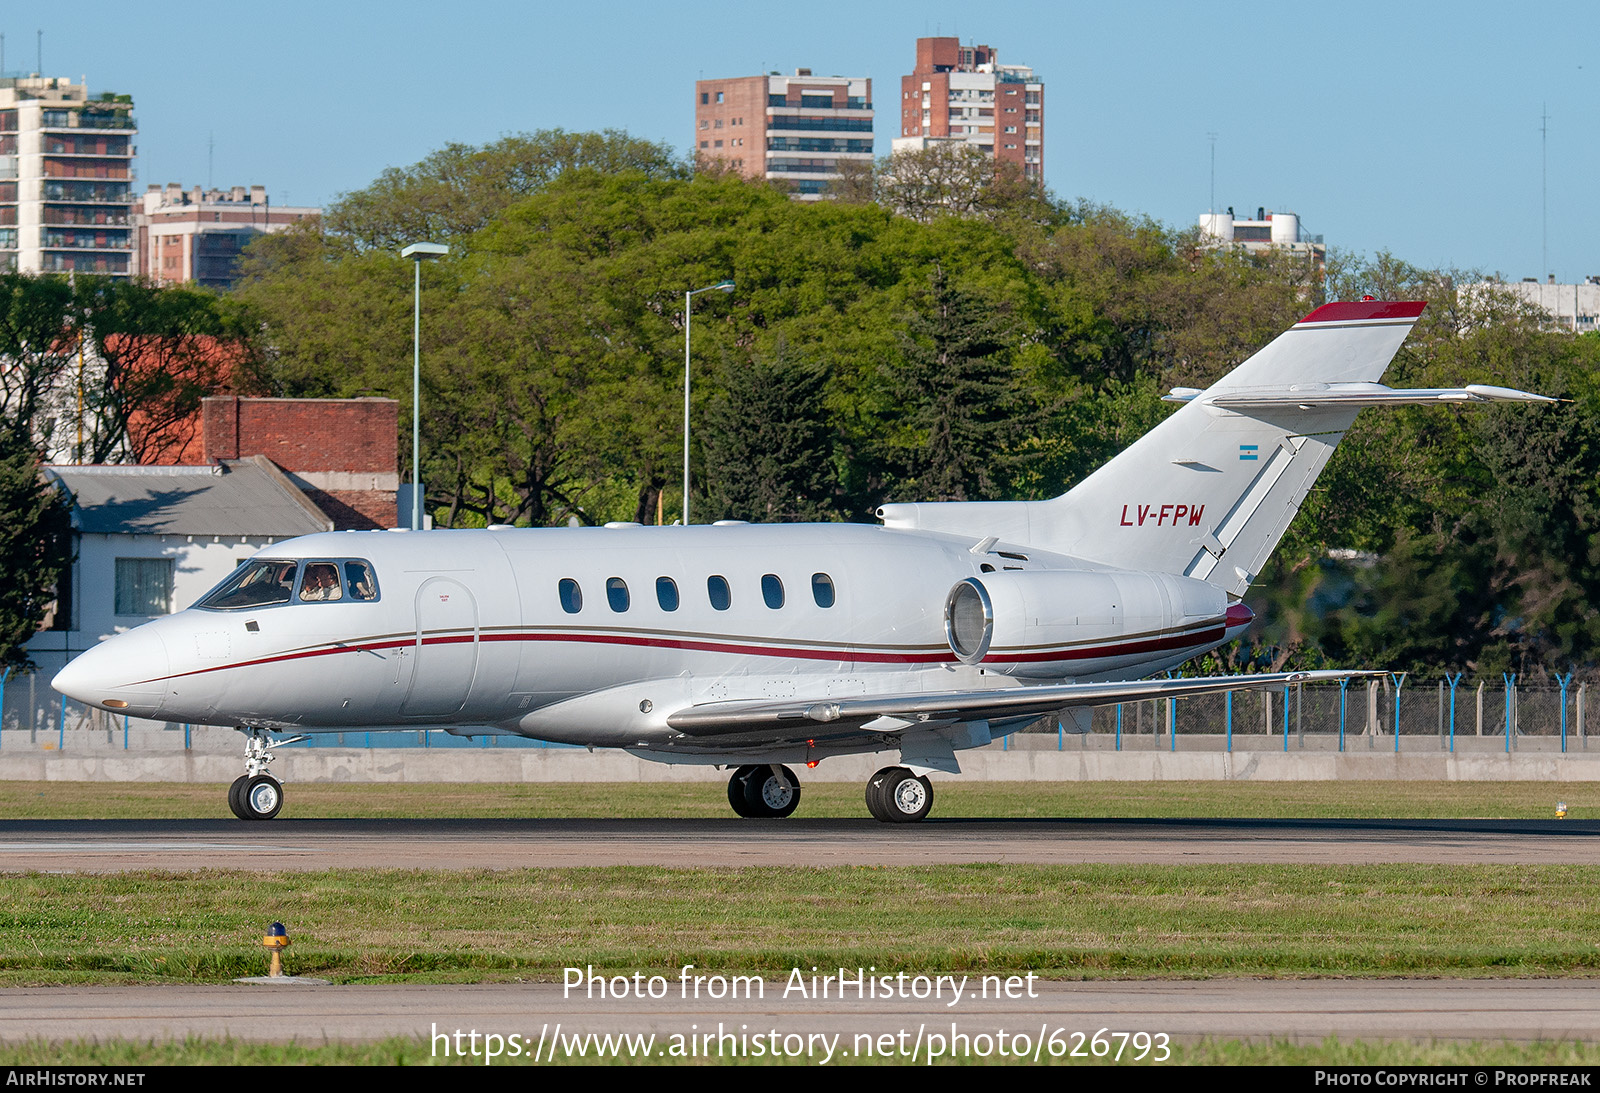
[(1409, 127)]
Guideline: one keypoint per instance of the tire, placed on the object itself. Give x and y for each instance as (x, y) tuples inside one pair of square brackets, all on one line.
[(236, 796), (770, 796), (739, 792), (875, 795), (261, 797), (902, 797)]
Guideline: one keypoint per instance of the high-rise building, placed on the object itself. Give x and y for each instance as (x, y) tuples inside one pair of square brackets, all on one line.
[(196, 235), (796, 128), (66, 165), (962, 93)]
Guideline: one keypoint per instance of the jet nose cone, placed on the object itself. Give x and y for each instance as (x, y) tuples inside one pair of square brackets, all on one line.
[(127, 673)]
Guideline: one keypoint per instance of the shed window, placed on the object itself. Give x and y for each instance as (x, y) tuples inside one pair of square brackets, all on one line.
[(772, 590), (717, 589), (617, 593), (144, 586), (571, 596)]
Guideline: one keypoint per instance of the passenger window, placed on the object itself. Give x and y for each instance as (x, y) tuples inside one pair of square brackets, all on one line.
[(320, 583), (772, 591), (717, 589), (359, 580), (617, 593), (571, 596), (822, 589), (666, 593)]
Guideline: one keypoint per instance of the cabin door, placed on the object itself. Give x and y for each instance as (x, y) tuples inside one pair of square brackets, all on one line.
[(445, 656)]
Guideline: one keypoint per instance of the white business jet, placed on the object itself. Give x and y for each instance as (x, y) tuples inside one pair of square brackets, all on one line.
[(769, 647)]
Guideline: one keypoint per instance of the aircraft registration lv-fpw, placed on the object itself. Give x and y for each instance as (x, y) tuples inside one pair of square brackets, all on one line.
[(760, 646)]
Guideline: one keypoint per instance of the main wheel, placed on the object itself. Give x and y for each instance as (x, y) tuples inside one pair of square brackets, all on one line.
[(897, 796), (739, 793), (236, 796), (261, 798), (772, 794)]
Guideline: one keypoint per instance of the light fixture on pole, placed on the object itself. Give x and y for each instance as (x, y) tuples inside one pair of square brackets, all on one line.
[(725, 286), (418, 252)]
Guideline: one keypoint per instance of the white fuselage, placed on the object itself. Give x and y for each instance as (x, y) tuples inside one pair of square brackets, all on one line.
[(472, 628)]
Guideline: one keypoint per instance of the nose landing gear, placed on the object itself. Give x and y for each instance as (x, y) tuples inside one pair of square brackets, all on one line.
[(256, 794)]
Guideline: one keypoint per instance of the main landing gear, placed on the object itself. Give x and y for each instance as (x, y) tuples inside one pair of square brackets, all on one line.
[(764, 792), (894, 795), (897, 796), (256, 794)]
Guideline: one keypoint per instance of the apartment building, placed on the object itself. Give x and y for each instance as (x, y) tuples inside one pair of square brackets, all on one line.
[(66, 167), (197, 235), (963, 93), (798, 129)]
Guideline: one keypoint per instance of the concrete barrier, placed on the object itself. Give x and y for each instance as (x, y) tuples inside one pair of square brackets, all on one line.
[(1032, 758)]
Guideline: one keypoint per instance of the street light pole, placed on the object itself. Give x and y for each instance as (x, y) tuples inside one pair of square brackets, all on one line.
[(725, 286), (418, 252)]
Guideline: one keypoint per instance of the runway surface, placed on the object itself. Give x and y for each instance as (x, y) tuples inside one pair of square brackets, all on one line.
[(124, 845), (1300, 1010)]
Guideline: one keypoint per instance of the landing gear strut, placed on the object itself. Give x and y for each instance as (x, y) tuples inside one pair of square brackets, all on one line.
[(764, 792), (256, 794), (896, 796)]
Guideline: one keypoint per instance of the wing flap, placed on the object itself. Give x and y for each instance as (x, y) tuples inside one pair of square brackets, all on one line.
[(919, 708)]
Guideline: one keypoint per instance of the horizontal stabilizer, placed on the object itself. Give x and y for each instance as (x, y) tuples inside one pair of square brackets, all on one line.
[(1319, 396), (915, 709)]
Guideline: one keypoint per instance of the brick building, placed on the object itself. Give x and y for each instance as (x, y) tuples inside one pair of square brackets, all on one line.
[(796, 128), (963, 93), (343, 453)]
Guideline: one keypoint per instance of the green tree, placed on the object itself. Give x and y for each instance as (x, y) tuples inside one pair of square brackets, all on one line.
[(35, 548), (769, 442), (963, 414)]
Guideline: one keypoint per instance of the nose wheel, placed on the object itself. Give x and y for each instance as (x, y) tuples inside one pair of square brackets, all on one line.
[(764, 792), (256, 794)]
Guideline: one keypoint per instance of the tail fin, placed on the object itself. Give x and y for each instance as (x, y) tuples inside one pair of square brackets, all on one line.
[(1210, 491)]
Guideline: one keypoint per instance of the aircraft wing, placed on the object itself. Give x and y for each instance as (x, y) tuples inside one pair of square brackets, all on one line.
[(892, 712)]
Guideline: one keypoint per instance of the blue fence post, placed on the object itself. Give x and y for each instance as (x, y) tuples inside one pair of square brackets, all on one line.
[(185, 736), (1399, 682), (1227, 708), (1061, 735), (1453, 680), (1119, 726), (1172, 723), (1565, 681), (1510, 680), (3, 679), (124, 732), (1344, 687)]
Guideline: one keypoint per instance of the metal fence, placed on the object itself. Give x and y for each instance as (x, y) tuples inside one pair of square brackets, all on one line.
[(1480, 714)]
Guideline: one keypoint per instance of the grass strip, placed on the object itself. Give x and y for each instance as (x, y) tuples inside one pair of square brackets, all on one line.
[(405, 1051), (1066, 921), (708, 800)]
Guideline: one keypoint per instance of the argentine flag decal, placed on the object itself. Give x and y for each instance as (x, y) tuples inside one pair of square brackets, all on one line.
[(1247, 451)]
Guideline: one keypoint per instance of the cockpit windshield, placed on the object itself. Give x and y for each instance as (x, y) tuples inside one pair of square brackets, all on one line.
[(255, 584), (269, 582)]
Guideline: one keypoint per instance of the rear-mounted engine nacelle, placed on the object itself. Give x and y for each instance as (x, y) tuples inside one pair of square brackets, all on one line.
[(1048, 624)]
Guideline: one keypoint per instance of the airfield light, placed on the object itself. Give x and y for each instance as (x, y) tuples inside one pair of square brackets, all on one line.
[(1561, 810), (418, 253), (276, 940), (722, 286)]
